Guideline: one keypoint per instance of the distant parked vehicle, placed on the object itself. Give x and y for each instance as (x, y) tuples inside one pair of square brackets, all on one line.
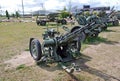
[(41, 20), (53, 17)]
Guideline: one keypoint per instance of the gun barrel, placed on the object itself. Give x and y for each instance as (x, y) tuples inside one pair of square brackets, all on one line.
[(70, 36)]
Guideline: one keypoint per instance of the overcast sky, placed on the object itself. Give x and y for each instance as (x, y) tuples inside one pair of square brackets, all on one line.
[(33, 5)]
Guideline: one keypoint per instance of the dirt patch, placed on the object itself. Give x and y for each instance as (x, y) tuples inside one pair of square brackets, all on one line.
[(101, 62), (104, 62), (23, 58)]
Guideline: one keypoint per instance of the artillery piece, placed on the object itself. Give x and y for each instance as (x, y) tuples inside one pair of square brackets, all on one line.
[(93, 30), (56, 47), (103, 19), (108, 17)]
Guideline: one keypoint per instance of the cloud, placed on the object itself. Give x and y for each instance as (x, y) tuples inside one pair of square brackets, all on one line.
[(9, 5), (33, 5), (54, 4)]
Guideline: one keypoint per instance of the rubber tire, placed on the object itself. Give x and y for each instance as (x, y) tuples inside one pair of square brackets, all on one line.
[(43, 23), (79, 44), (75, 28), (58, 21), (116, 23), (79, 39), (38, 49), (83, 35), (38, 23), (63, 22)]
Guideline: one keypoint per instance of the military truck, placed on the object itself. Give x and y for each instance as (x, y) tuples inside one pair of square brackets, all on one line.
[(41, 20), (52, 17)]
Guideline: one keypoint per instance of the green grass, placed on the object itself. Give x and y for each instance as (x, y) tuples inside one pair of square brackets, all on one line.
[(14, 39), (22, 66), (92, 40)]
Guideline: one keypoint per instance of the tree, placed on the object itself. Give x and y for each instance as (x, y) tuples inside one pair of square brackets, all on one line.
[(13, 15), (64, 8), (7, 14), (17, 14), (0, 11), (64, 14)]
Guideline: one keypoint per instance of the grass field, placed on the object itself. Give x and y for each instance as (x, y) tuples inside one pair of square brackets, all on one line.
[(14, 39)]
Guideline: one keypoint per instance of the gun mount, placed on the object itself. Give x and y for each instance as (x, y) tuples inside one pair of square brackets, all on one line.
[(93, 30), (58, 48)]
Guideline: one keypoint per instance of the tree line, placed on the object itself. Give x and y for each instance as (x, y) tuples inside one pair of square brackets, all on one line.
[(14, 15)]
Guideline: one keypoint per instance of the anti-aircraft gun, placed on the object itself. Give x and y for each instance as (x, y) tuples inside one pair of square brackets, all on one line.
[(94, 30), (56, 47), (107, 15), (110, 18)]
